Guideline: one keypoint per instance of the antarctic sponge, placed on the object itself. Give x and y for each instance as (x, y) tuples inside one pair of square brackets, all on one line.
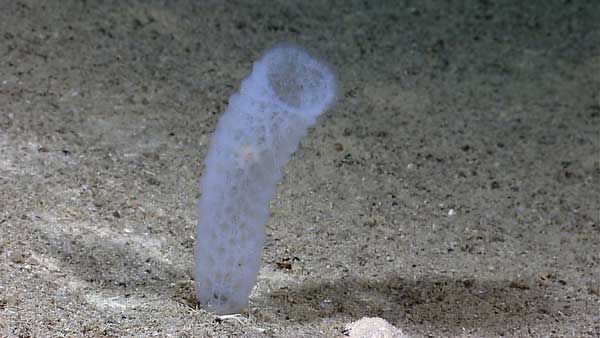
[(256, 136)]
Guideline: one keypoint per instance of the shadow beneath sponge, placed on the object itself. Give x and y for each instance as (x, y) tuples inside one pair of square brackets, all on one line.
[(456, 305)]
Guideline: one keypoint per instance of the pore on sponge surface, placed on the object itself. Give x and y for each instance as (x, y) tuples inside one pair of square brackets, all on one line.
[(256, 136)]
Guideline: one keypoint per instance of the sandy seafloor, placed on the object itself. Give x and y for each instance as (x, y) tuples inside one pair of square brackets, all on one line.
[(453, 190)]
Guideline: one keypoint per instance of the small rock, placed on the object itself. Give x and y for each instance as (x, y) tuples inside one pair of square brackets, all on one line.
[(18, 257), (326, 304), (373, 328), (519, 284)]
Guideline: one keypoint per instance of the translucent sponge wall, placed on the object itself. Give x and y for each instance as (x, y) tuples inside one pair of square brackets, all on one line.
[(256, 136)]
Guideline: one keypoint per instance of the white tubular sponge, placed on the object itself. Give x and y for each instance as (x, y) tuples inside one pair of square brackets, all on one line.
[(256, 136)]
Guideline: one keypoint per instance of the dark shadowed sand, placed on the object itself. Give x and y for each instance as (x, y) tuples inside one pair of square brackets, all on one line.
[(453, 190)]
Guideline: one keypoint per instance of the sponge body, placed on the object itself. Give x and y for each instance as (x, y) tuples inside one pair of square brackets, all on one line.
[(256, 136)]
